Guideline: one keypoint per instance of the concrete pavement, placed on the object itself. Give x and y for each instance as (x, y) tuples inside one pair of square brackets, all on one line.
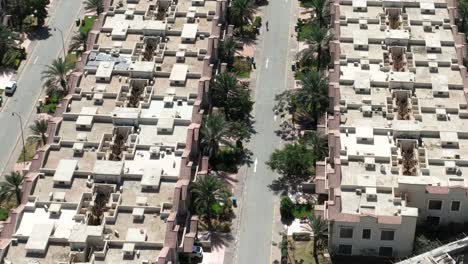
[(29, 81), (258, 201)]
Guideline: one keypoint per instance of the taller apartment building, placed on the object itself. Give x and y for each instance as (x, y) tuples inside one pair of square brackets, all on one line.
[(398, 135)]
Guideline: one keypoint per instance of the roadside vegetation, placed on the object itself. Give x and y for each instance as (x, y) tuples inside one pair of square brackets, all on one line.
[(10, 193), (211, 200), (301, 110), (227, 126), (307, 246), (27, 17)]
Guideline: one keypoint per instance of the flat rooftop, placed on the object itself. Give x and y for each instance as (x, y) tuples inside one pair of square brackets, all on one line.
[(403, 108), (152, 225), (114, 255)]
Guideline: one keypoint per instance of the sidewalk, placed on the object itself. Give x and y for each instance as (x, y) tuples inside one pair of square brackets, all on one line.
[(31, 45), (230, 249)]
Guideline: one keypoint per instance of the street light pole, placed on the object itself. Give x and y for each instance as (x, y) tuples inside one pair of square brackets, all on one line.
[(63, 42), (22, 134)]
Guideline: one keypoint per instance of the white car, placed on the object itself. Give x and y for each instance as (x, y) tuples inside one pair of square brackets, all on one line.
[(10, 88), (197, 251)]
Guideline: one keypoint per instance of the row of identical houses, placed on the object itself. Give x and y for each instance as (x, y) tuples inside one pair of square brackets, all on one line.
[(398, 125), (112, 184)]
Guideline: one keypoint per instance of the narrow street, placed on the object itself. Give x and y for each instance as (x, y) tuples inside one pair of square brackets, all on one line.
[(29, 81), (273, 60)]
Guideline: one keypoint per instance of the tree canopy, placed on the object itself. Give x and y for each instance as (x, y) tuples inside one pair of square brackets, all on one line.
[(294, 162)]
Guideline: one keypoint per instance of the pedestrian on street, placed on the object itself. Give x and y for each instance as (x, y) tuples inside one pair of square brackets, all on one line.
[(266, 24)]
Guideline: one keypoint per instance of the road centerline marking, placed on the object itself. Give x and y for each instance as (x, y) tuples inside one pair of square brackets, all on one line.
[(255, 165)]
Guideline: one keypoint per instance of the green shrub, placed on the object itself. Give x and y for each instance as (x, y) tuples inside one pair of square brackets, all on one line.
[(257, 22), (301, 236), (49, 108), (226, 159), (284, 249), (242, 67), (286, 208), (3, 213)]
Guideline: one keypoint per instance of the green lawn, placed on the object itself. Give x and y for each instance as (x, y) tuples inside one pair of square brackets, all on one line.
[(31, 147), (3, 213), (87, 23), (242, 67), (302, 210), (302, 253), (72, 58), (304, 30)]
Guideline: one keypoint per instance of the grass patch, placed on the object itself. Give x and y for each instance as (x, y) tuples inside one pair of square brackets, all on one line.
[(302, 210), (242, 67), (29, 150), (302, 252), (4, 213), (87, 23), (72, 58), (304, 30)]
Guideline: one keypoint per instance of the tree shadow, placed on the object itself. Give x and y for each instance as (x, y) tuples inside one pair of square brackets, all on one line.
[(39, 33), (7, 71), (218, 239), (246, 40), (228, 178), (246, 158), (279, 187)]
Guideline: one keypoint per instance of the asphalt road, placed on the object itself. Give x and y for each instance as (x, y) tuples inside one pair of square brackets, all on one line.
[(255, 235), (29, 82)]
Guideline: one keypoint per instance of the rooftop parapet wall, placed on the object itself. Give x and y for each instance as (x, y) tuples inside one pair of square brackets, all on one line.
[(181, 191), (329, 173)]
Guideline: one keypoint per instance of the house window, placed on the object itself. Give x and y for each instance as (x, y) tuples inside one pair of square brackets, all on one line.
[(435, 205), (346, 232), (385, 251), (366, 233), (387, 235), (433, 220), (345, 249), (455, 206)]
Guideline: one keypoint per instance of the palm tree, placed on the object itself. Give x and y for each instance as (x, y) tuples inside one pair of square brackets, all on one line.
[(11, 187), (307, 103), (96, 5), (39, 128), (321, 12), (6, 42), (318, 44), (313, 98), (318, 142), (214, 131), (241, 13), (222, 85), (79, 40), (55, 76), (463, 15), (227, 51), (319, 227), (206, 192)]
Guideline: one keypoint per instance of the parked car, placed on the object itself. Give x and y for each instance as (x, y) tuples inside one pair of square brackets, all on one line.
[(10, 88), (197, 252)]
